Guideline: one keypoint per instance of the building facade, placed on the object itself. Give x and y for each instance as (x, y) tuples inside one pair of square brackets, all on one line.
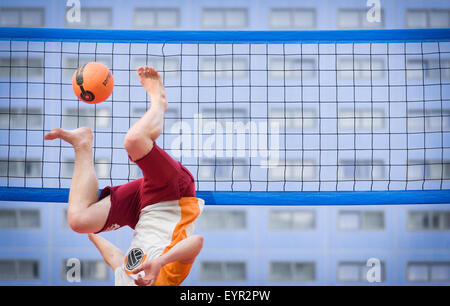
[(259, 245)]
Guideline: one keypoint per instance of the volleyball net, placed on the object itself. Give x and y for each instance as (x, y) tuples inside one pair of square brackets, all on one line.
[(277, 118)]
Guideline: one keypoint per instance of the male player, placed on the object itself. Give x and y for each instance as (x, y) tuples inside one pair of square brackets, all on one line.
[(161, 207)]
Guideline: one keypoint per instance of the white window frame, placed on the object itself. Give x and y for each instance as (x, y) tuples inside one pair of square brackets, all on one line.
[(362, 216), (225, 12), (155, 12), (224, 271), (427, 13), (293, 276), (289, 216), (21, 11), (291, 12)]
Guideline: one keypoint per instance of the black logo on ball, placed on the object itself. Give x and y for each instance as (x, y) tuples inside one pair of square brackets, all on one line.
[(134, 258)]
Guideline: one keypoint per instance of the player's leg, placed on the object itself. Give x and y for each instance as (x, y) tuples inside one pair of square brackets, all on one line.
[(85, 214), (140, 137), (110, 253)]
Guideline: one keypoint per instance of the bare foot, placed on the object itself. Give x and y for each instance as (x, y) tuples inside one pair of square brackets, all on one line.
[(79, 138), (151, 81)]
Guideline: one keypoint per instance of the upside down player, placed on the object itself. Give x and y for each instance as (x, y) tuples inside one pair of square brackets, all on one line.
[(161, 207)]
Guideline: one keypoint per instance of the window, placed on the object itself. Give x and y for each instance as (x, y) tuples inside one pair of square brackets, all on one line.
[(435, 120), (361, 119), (221, 169), (156, 18), (292, 67), (18, 67), (223, 67), (292, 271), (225, 118), (292, 18), (362, 169), (221, 18), (223, 220), (91, 270), (357, 19), (30, 118), (102, 168), (169, 66), (297, 119), (294, 170), (223, 271), (96, 18), (286, 220), (360, 220), (428, 272), (138, 111), (22, 17), (21, 168), (350, 67), (430, 170), (71, 62), (100, 118), (427, 18), (11, 269), (349, 271), (20, 219), (428, 220)]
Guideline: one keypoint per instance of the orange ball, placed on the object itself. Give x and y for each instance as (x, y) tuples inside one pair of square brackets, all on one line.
[(93, 83)]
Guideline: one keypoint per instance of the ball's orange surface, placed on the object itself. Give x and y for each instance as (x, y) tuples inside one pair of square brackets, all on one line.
[(93, 83)]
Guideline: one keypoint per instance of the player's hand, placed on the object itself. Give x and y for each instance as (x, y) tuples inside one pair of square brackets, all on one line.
[(151, 269)]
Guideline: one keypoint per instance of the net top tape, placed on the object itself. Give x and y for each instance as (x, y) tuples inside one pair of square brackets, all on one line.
[(226, 37)]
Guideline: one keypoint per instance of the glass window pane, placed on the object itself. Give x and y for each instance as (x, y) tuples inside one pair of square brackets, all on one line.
[(303, 220), (144, 18), (418, 272), (349, 272), (348, 19), (100, 18), (236, 18), (9, 17), (167, 18), (304, 272), (28, 270), (445, 220), (416, 19), (211, 271), (236, 220), (349, 220), (439, 19), (213, 19), (280, 18), (32, 18), (280, 220), (417, 220), (305, 19), (7, 270), (235, 271), (280, 271), (29, 218), (8, 218), (373, 220), (94, 270), (440, 272)]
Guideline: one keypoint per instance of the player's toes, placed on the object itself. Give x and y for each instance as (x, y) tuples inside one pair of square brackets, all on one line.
[(140, 70), (53, 134)]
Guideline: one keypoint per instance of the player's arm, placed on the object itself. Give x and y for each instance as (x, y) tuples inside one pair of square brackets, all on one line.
[(110, 253), (184, 252)]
